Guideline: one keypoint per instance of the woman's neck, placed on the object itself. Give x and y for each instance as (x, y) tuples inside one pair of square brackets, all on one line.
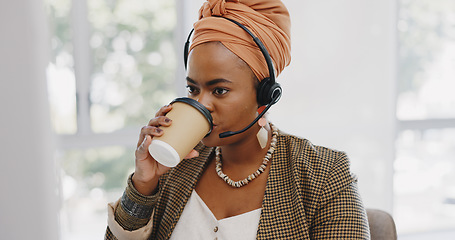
[(245, 153)]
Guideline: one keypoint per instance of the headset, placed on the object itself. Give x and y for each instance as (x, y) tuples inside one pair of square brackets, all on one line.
[(269, 91)]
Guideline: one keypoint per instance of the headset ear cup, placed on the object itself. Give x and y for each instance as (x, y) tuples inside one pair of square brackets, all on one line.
[(262, 91), (268, 92), (275, 93)]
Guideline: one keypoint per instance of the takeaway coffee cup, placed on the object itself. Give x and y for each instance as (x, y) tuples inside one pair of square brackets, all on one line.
[(191, 122)]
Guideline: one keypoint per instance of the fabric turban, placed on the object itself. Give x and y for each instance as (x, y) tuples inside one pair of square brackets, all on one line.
[(267, 19)]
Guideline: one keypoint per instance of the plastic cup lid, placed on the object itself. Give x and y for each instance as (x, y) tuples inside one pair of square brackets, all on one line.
[(164, 153)]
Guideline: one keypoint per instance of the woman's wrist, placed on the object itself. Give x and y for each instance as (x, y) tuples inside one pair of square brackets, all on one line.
[(135, 209), (146, 188)]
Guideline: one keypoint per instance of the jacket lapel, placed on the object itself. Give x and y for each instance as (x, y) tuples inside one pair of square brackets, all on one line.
[(177, 190), (283, 213)]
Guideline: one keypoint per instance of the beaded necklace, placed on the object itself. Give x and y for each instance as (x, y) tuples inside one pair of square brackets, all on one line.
[(252, 176)]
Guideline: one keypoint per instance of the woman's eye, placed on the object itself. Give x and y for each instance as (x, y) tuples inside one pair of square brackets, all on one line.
[(191, 89), (220, 91)]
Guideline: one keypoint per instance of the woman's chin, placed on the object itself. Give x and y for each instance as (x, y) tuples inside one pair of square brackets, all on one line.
[(211, 140)]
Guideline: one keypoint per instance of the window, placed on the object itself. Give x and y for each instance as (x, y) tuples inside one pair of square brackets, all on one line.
[(113, 66), (424, 184)]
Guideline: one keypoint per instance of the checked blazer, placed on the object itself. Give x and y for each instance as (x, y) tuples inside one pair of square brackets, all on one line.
[(310, 194)]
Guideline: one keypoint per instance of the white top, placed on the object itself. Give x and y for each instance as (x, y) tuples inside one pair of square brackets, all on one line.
[(198, 222)]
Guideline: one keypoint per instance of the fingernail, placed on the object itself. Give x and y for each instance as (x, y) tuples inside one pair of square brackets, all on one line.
[(167, 120), (158, 130)]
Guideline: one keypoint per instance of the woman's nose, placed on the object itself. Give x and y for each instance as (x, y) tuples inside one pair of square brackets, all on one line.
[(205, 100)]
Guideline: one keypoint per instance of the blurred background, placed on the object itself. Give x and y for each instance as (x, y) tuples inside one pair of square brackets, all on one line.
[(79, 78)]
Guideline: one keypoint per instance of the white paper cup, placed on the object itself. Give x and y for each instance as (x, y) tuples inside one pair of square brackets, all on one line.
[(191, 122)]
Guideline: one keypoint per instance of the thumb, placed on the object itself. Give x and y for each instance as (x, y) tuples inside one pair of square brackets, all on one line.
[(145, 144)]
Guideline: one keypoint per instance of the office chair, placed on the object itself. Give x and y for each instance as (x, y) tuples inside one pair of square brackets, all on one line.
[(382, 226)]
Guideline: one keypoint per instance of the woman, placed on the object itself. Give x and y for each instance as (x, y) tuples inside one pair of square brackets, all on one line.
[(287, 188)]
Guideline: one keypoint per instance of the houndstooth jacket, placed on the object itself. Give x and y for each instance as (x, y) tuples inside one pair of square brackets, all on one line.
[(310, 194)]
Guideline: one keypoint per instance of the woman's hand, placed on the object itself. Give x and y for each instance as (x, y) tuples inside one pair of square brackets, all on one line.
[(148, 170)]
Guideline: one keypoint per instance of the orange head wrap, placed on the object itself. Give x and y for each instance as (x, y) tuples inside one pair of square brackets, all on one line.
[(267, 19)]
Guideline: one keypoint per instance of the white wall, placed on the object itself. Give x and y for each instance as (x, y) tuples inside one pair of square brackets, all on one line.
[(28, 204), (339, 90)]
